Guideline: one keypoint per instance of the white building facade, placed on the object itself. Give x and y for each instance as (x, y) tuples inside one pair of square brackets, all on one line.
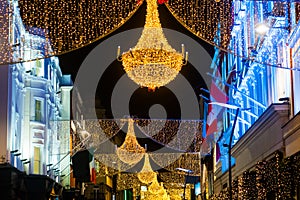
[(34, 96)]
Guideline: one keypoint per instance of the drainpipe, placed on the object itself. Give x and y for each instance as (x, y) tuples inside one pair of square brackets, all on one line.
[(292, 85)]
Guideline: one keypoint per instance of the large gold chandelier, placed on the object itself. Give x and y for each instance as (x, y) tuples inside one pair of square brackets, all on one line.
[(130, 151), (146, 175), (152, 62)]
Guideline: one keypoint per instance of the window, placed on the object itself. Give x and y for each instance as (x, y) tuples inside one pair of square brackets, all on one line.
[(36, 160), (39, 68), (38, 111)]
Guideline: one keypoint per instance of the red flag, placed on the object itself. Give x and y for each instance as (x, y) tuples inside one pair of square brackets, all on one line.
[(93, 175), (92, 171), (215, 111), (217, 94)]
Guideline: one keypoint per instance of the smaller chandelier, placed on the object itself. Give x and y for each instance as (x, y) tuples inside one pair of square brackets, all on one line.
[(130, 151), (146, 175), (155, 187), (152, 62)]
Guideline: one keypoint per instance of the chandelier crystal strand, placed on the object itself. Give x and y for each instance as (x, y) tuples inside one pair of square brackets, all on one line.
[(152, 62), (130, 151), (146, 175)]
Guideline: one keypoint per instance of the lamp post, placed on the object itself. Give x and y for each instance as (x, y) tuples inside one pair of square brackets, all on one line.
[(237, 110), (229, 154)]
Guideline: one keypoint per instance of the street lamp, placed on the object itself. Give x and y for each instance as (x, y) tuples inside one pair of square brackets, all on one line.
[(229, 153), (262, 28)]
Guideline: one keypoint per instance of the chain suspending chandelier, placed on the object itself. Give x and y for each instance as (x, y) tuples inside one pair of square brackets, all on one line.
[(130, 151), (152, 62)]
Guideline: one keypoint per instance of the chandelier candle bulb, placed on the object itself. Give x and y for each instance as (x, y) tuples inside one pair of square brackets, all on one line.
[(130, 50), (182, 49), (118, 52), (186, 56)]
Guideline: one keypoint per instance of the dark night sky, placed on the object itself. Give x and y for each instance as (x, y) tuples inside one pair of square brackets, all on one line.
[(71, 61)]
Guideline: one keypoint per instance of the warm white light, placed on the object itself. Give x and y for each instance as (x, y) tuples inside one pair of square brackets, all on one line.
[(146, 175), (152, 62), (130, 151)]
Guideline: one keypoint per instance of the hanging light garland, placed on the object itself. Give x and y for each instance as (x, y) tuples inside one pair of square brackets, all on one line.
[(130, 151), (146, 175), (73, 24), (69, 25), (172, 161), (176, 134), (184, 135), (278, 176), (203, 17), (152, 62)]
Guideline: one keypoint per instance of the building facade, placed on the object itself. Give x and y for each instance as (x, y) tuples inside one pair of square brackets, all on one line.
[(260, 75), (34, 96)]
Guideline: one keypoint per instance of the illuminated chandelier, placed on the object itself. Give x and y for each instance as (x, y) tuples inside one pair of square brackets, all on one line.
[(130, 151), (157, 191), (146, 175), (160, 196), (155, 187), (152, 62)]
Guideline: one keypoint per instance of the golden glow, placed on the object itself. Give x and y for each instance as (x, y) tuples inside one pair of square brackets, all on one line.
[(157, 191), (155, 187), (203, 17), (146, 175), (130, 151), (171, 161), (73, 24), (160, 196), (152, 62)]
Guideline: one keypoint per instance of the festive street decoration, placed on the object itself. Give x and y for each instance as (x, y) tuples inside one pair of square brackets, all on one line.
[(276, 178), (130, 151), (152, 62), (146, 175), (69, 25)]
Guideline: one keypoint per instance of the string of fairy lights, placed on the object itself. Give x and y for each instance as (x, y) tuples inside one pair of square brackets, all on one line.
[(73, 24), (170, 186), (202, 18), (161, 185), (182, 135), (69, 25), (276, 178)]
